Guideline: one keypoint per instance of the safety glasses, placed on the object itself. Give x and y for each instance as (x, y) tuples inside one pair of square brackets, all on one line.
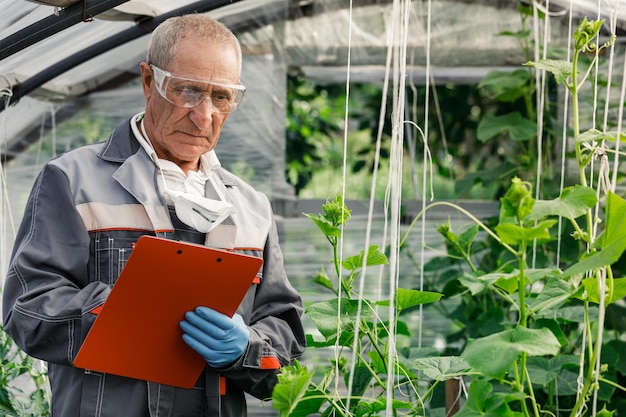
[(190, 92)]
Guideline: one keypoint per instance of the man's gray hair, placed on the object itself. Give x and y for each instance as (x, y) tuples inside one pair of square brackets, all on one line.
[(167, 35)]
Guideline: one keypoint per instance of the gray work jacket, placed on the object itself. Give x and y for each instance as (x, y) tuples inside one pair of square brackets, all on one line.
[(86, 209)]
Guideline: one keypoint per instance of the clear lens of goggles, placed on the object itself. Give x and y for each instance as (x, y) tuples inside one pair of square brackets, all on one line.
[(189, 92)]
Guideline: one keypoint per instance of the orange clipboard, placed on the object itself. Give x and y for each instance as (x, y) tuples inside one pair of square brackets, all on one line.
[(137, 333)]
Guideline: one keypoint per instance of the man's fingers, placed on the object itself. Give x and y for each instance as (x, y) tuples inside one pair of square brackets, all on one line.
[(197, 346), (217, 319), (201, 334)]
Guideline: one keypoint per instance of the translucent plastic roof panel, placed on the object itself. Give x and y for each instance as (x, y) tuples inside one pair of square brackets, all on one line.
[(317, 38), (316, 34)]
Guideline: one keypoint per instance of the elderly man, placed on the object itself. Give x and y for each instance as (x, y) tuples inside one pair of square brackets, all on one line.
[(90, 205)]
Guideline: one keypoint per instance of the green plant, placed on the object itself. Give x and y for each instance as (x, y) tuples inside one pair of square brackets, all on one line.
[(533, 335), (508, 125), (359, 328), (545, 348), (22, 386), (540, 343)]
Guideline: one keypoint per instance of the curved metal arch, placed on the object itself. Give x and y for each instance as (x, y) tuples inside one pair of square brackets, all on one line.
[(52, 24), (142, 28)]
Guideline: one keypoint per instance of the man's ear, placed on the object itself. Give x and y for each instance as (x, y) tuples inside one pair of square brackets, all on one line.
[(147, 78)]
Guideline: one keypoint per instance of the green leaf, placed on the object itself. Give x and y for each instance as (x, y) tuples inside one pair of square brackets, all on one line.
[(596, 136), (576, 314), (519, 128), (482, 402), (509, 282), (475, 284), (442, 368), (492, 360), (553, 294), (517, 202), (5, 401), (614, 235), (605, 413), (475, 405), (506, 86), (445, 230), (514, 235), (506, 281), (293, 382), (458, 244), (535, 274), (374, 257), (410, 298), (371, 408), (612, 242), (312, 343), (336, 212), (494, 355), (382, 328), (561, 69), (567, 383), (617, 286), (377, 363), (361, 379), (328, 318), (555, 327), (573, 203), (544, 371), (467, 237), (324, 280), (585, 33), (324, 225), (500, 172)]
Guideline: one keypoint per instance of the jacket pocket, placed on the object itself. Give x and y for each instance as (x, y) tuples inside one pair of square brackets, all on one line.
[(110, 257)]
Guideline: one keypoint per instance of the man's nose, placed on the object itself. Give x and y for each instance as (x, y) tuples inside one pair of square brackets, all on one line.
[(203, 113)]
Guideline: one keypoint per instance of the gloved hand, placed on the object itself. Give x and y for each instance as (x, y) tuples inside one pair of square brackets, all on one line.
[(220, 339)]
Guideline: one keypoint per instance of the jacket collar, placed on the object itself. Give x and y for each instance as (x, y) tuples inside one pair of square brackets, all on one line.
[(120, 144)]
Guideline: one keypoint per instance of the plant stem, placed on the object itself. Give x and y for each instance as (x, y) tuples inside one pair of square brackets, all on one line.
[(576, 125), (521, 283), (530, 388), (589, 380), (575, 121), (468, 214)]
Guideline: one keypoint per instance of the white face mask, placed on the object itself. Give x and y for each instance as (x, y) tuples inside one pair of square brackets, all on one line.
[(203, 214)]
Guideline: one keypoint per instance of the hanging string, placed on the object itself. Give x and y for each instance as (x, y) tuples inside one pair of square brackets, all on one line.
[(341, 234), (396, 59), (594, 111), (564, 141), (6, 216), (594, 231), (425, 165), (619, 124), (604, 185), (411, 143), (613, 26), (603, 170), (540, 82), (393, 197)]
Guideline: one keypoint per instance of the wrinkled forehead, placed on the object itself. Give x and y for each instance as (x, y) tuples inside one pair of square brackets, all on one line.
[(206, 60)]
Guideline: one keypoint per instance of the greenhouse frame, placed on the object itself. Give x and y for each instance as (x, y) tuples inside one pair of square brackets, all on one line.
[(447, 302)]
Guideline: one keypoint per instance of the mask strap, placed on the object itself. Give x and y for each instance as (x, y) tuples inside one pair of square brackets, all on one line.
[(145, 135)]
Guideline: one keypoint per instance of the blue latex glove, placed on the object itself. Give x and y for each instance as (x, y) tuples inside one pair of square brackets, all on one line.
[(219, 339)]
